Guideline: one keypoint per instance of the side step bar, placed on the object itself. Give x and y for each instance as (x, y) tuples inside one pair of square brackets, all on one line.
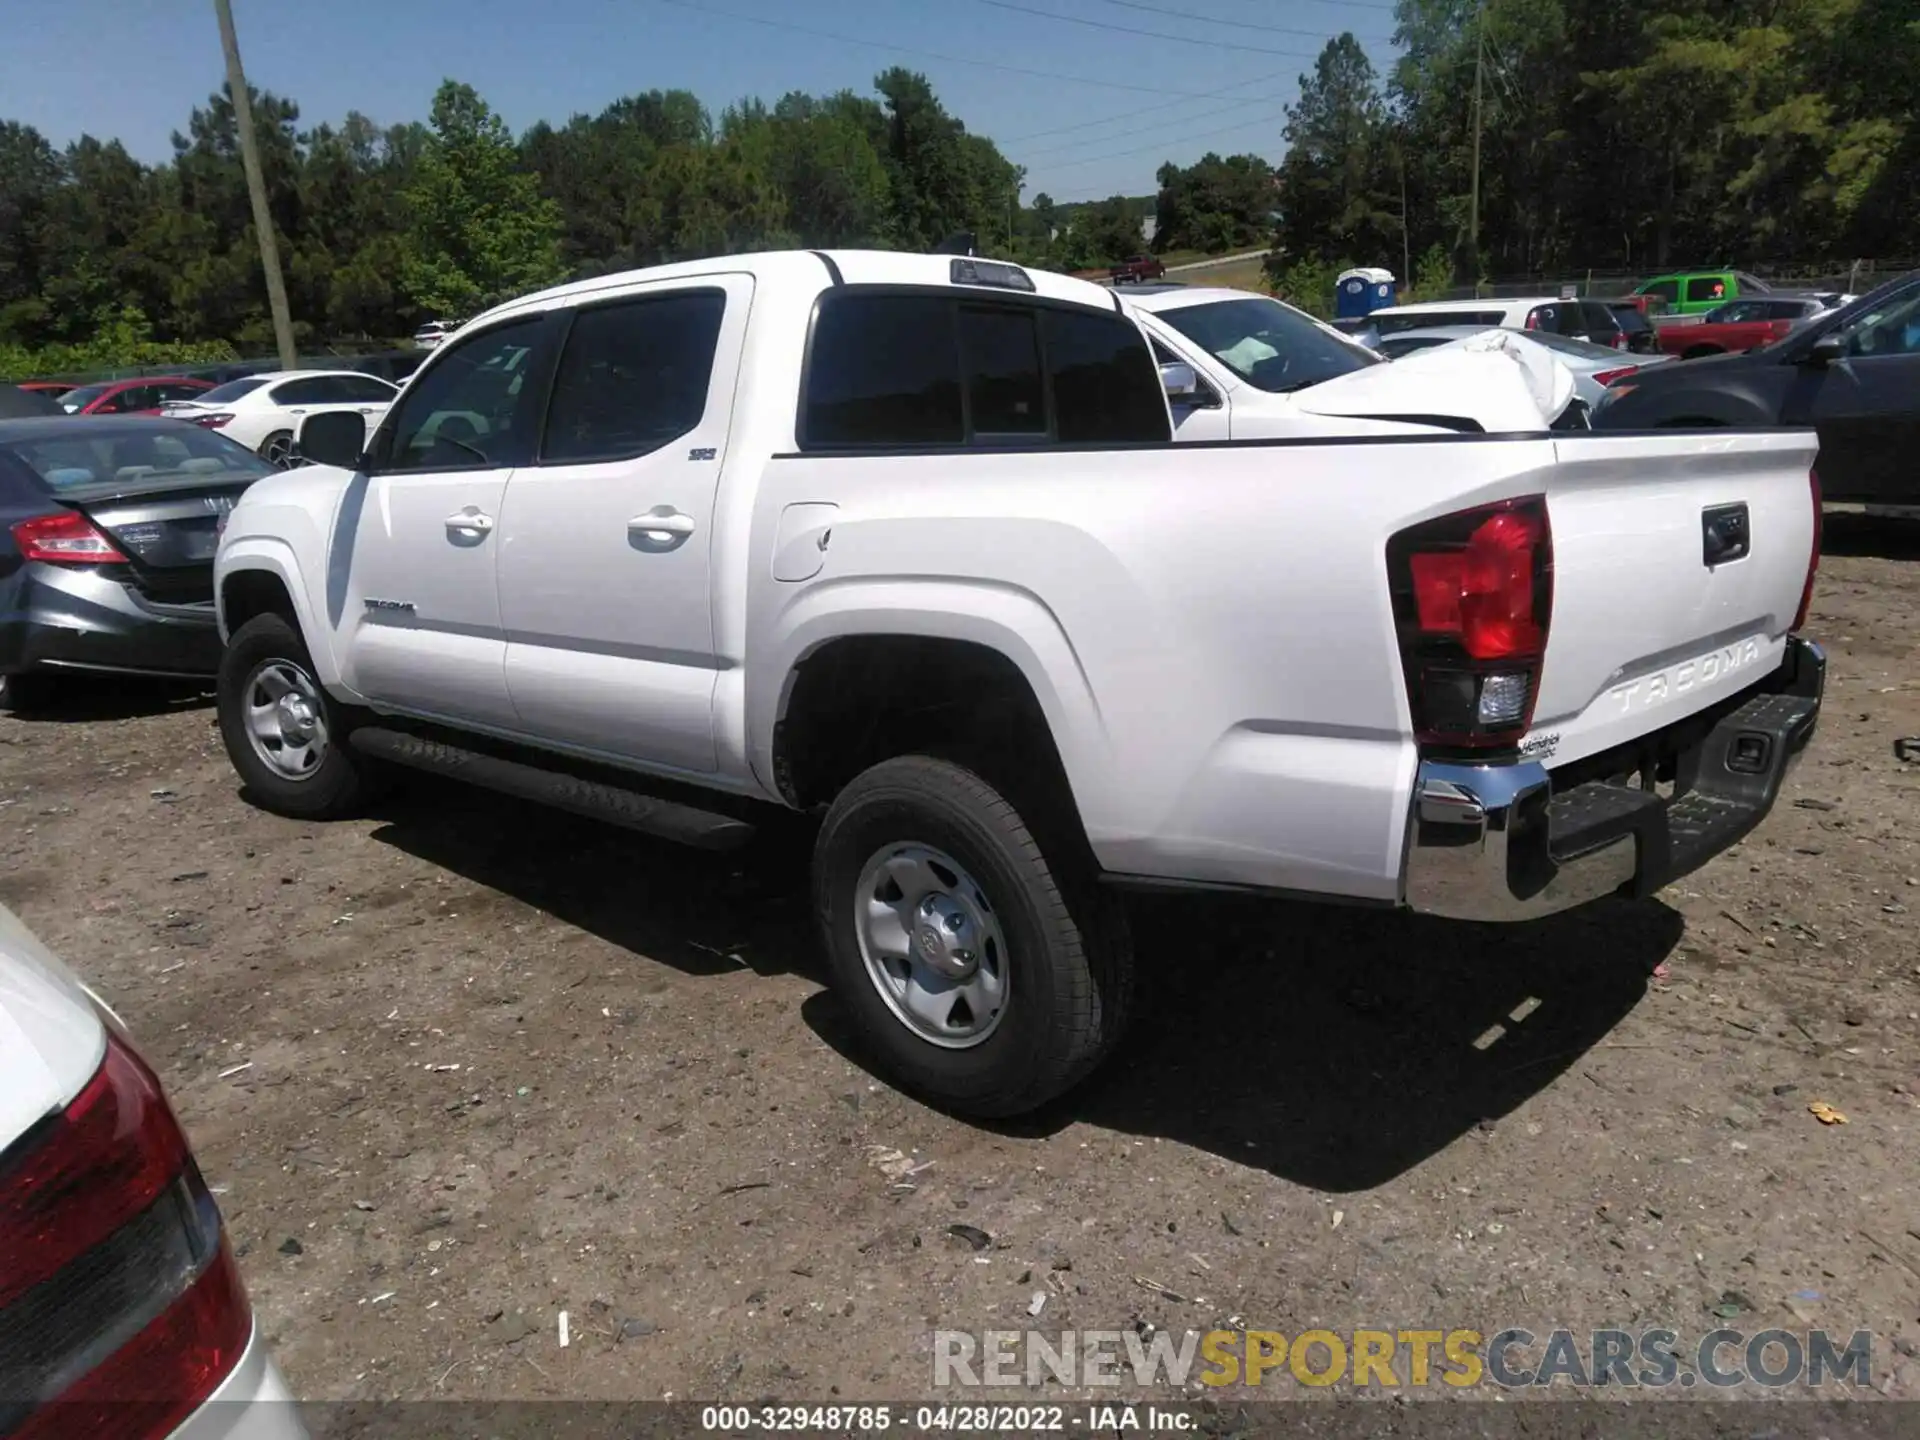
[(667, 819)]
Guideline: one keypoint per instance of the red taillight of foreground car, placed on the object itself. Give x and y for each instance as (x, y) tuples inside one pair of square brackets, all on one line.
[(210, 422), (1607, 377), (68, 537), (1813, 560), (1472, 598), (121, 1309)]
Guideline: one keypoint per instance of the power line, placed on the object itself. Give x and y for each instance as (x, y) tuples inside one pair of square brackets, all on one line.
[(1026, 156), (1150, 34), (1139, 110), (700, 9), (1170, 141), (1219, 20)]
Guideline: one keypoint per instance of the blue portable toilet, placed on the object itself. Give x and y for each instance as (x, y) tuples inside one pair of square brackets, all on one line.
[(1361, 291)]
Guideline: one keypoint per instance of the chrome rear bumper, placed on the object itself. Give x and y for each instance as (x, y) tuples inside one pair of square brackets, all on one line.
[(1497, 842)]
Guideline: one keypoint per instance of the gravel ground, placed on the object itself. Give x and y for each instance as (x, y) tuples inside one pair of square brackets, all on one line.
[(500, 1063)]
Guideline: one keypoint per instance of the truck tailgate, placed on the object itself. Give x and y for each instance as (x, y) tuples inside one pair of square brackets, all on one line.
[(1646, 631)]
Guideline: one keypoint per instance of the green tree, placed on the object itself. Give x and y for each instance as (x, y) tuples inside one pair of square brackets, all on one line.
[(481, 230), (1334, 186), (1214, 204)]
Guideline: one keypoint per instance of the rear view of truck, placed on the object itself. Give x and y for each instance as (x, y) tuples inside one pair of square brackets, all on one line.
[(1624, 645)]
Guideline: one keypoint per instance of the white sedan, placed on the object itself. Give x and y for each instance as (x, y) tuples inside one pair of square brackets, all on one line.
[(264, 412), (119, 1283)]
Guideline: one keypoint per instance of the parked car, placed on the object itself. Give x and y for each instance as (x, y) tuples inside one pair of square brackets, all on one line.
[(19, 403), (107, 533), (1694, 292), (145, 396), (1740, 325), (1636, 324), (52, 389), (1854, 373), (432, 333), (901, 539), (1137, 268), (1240, 366), (122, 1310), (1580, 319), (263, 412), (1594, 367)]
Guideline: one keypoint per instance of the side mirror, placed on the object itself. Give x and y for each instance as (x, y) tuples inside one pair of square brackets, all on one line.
[(1179, 380), (333, 437), (1827, 350)]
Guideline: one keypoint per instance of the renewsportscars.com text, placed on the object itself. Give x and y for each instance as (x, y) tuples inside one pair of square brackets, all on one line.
[(1511, 1358)]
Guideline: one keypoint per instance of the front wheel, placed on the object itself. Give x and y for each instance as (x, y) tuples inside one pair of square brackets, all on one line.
[(986, 975), (284, 734)]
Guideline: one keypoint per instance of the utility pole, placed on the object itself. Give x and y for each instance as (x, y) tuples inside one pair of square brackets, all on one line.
[(256, 186), (1479, 68), (1406, 238)]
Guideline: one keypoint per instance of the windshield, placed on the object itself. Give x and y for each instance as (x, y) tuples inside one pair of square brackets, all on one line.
[(231, 391), (1267, 344), (74, 401), (188, 455)]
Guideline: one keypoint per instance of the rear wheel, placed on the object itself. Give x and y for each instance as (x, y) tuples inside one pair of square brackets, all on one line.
[(986, 975), (278, 450), (23, 694), (284, 734)]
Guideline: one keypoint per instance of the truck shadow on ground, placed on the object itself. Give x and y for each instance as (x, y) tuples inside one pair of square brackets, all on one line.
[(83, 698), (703, 914), (1333, 1047), (1849, 532)]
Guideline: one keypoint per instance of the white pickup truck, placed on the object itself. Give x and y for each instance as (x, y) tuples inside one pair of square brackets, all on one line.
[(904, 541)]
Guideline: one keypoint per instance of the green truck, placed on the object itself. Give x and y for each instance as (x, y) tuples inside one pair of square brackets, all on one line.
[(1694, 292)]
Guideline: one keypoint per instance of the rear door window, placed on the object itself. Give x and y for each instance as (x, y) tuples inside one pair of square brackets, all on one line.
[(634, 376)]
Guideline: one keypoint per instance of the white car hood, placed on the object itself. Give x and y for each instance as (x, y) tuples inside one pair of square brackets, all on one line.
[(51, 1039), (1499, 379)]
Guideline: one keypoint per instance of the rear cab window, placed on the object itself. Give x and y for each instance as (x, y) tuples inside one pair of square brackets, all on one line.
[(1706, 287), (936, 368)]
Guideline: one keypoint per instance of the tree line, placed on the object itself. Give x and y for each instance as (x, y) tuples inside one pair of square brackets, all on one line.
[(382, 227), (1622, 135)]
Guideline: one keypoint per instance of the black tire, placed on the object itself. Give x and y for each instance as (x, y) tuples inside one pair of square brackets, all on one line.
[(341, 783), (25, 694), (1070, 963)]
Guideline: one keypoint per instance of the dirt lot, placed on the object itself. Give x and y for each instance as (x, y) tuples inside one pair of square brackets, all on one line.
[(501, 1063)]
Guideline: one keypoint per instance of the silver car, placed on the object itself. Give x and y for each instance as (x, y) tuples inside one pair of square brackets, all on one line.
[(1594, 367)]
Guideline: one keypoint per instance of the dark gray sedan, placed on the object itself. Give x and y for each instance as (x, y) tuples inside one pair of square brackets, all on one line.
[(107, 533)]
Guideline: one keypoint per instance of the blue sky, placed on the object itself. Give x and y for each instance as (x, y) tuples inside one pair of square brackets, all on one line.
[(133, 69)]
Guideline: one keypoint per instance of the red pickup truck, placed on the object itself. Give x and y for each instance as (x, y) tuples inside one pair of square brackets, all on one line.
[(1737, 325), (1137, 269)]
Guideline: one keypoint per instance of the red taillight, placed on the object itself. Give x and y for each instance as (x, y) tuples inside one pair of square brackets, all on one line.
[(1472, 597), (1620, 340), (1813, 560), (1607, 377), (211, 422), (120, 1307), (1533, 320), (67, 537)]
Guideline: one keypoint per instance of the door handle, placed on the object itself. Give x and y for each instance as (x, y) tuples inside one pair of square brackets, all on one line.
[(471, 520), (660, 528)]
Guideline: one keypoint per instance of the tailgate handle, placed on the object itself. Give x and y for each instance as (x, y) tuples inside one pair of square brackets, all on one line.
[(1726, 533)]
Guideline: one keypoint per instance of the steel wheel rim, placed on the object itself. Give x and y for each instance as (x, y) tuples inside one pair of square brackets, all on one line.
[(286, 719), (931, 942), (279, 451)]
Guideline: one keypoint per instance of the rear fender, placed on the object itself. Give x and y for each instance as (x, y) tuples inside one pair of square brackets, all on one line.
[(1002, 618)]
